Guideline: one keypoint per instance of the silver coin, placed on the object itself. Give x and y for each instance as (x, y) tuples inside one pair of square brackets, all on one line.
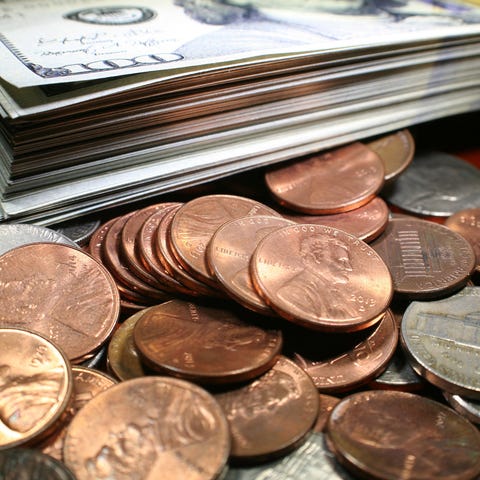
[(313, 460), (470, 409), (14, 235), (77, 230), (442, 340), (436, 184)]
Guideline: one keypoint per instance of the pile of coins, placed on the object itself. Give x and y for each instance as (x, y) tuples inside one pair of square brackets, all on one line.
[(312, 336)]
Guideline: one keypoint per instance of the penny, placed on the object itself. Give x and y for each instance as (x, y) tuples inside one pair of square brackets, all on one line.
[(441, 340), (366, 222), (466, 407), (60, 292), (325, 407), (16, 234), (383, 434), (337, 181), (396, 151), (436, 184), (229, 252), (426, 260), (467, 224), (87, 383), (205, 344), (123, 359), (196, 221), (80, 231), (148, 253), (24, 463), (158, 427), (36, 385), (271, 415), (321, 278), (342, 362)]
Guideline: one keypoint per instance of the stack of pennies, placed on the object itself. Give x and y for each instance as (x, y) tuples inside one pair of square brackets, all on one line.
[(242, 339)]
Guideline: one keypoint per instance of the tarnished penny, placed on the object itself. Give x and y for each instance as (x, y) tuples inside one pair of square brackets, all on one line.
[(366, 222), (271, 415), (396, 151), (332, 182), (205, 344), (159, 428), (467, 224), (342, 362), (441, 339), (426, 260), (229, 252), (60, 292), (35, 384), (196, 221), (398, 435), (87, 383), (321, 277)]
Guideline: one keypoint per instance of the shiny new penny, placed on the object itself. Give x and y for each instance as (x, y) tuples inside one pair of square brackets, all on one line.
[(321, 277), (229, 252), (342, 362), (195, 223), (271, 415), (149, 427), (396, 152), (60, 292), (441, 339), (333, 182), (399, 435), (87, 383), (467, 224), (36, 386), (366, 222), (205, 344), (426, 260)]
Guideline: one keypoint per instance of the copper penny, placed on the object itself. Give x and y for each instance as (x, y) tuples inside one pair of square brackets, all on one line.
[(467, 224), (119, 269), (399, 435), (87, 383), (36, 385), (366, 222), (321, 277), (149, 427), (60, 292), (333, 182), (271, 415), (426, 259), (205, 344), (342, 362), (396, 151), (196, 221), (326, 404), (229, 252)]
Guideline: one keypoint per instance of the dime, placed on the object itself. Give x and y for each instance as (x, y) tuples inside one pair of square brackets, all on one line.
[(80, 231), (229, 252), (435, 184), (332, 182), (16, 234), (36, 385), (60, 292), (271, 415), (321, 277), (441, 339), (467, 224), (395, 435), (23, 464), (426, 260), (342, 362), (196, 221), (396, 151), (205, 344), (95, 359), (466, 407), (366, 222), (149, 427)]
